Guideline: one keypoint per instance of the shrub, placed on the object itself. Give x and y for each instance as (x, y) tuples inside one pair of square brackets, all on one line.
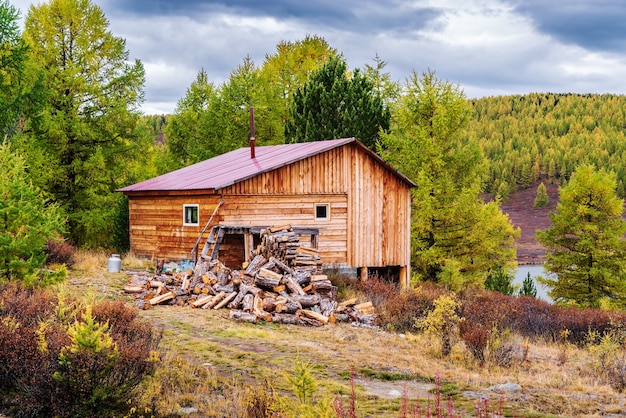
[(60, 252), (401, 309), (60, 358), (442, 322)]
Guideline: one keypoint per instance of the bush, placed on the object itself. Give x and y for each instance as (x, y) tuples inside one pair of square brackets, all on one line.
[(60, 252), (60, 358)]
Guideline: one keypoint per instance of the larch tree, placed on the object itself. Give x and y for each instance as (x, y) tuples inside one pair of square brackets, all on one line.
[(585, 247), (87, 133), (21, 91), (457, 238), (332, 104)]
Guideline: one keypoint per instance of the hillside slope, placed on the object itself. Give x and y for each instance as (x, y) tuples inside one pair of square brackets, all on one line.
[(529, 219)]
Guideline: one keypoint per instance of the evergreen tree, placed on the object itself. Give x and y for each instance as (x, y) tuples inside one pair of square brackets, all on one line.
[(27, 220), (541, 198), (585, 245), (86, 139), (456, 238), (21, 92), (528, 287), (332, 105), (500, 280)]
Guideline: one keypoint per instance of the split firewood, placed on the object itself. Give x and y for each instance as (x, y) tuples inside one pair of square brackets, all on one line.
[(226, 300), (216, 299), (162, 298), (349, 302), (226, 288), (134, 288), (287, 307), (257, 309), (243, 290), (313, 315), (240, 315), (327, 307), (293, 285), (307, 301), (201, 301), (267, 279), (255, 265), (278, 228), (247, 304), (365, 308), (282, 266)]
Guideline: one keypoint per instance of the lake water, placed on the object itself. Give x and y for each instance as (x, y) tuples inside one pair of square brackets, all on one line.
[(534, 270)]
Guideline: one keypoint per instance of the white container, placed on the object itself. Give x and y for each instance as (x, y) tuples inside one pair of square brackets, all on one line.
[(115, 264)]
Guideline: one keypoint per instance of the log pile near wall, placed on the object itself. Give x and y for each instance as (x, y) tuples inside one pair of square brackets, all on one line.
[(283, 283)]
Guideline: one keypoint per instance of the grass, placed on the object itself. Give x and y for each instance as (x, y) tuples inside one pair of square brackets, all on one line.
[(212, 363)]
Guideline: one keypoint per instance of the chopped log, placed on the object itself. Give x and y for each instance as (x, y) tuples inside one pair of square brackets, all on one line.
[(279, 288), (209, 278), (225, 301), (197, 290), (223, 275), (257, 309), (243, 290), (201, 301), (307, 301), (278, 228), (287, 307), (342, 317), (327, 306), (267, 279), (303, 278), (134, 289), (228, 288), (247, 304), (239, 315), (282, 266), (200, 269), (215, 300), (162, 298), (313, 315), (365, 308), (349, 302), (309, 289), (186, 282), (293, 285), (285, 319), (255, 265)]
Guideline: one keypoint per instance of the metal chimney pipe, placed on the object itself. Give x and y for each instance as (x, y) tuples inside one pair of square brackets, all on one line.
[(252, 139)]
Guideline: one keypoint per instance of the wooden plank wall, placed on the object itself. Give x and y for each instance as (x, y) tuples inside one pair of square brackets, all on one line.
[(156, 224), (296, 210), (378, 217)]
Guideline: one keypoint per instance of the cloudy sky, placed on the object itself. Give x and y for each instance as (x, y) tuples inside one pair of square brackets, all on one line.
[(487, 47)]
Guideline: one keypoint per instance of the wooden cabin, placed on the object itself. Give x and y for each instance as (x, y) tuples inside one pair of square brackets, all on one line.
[(346, 201)]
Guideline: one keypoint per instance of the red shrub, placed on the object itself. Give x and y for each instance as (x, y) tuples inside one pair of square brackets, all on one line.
[(60, 252)]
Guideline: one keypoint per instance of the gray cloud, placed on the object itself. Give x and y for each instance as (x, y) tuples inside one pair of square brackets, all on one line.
[(488, 47)]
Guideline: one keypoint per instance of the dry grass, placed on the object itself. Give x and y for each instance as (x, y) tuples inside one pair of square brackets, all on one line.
[(208, 360)]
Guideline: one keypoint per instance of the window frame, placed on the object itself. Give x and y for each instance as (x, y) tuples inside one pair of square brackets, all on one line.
[(326, 206), (191, 206)]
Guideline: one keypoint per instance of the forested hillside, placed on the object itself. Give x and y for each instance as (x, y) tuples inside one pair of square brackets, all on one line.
[(546, 136)]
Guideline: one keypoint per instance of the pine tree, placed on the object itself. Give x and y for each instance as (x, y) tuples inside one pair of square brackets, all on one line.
[(528, 287), (500, 280), (332, 105)]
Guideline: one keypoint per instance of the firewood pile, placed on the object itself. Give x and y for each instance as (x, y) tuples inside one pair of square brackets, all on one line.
[(282, 283)]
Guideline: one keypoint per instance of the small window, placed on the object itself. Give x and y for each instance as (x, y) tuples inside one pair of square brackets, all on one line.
[(322, 211), (190, 215)]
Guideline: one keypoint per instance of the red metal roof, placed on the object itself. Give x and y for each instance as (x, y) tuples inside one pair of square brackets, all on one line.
[(235, 166)]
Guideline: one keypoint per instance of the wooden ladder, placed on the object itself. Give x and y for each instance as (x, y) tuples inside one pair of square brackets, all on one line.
[(212, 243)]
